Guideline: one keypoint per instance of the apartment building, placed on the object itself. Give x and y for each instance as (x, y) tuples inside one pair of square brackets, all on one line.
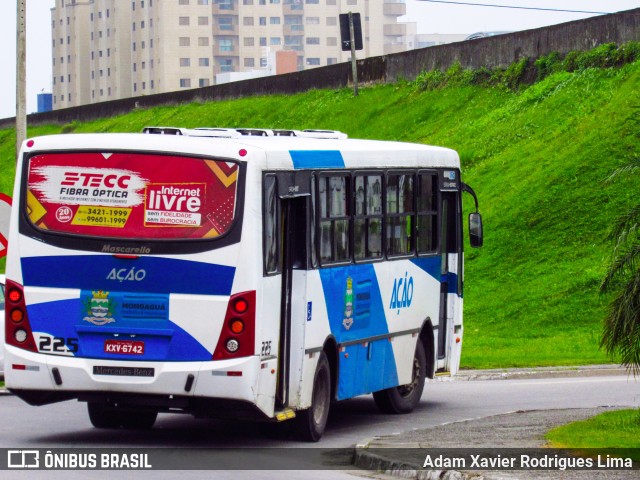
[(108, 49)]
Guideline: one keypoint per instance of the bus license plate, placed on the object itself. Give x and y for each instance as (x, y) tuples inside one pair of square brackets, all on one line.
[(126, 347)]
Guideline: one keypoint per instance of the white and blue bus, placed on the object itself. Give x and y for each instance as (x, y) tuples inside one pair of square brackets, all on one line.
[(234, 273)]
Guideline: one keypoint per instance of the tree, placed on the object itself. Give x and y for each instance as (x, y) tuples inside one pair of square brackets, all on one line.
[(621, 329)]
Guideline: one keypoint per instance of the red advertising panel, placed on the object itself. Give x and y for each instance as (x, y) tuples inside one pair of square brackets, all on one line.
[(131, 195)]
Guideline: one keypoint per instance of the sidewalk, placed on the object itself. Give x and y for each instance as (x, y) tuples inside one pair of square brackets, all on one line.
[(403, 455)]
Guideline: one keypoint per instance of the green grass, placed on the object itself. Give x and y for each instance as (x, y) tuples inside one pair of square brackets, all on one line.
[(618, 429), (537, 156)]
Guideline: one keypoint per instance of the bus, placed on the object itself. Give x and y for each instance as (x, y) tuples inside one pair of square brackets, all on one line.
[(233, 273)]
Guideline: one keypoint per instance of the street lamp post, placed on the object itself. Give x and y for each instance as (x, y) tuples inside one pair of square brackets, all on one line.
[(21, 75)]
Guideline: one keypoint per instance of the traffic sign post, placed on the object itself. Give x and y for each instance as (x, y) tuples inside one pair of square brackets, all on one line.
[(351, 38)]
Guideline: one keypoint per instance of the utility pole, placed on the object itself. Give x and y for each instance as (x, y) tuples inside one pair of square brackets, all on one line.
[(21, 75)]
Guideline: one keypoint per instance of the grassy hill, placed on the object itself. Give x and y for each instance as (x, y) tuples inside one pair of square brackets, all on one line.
[(538, 157)]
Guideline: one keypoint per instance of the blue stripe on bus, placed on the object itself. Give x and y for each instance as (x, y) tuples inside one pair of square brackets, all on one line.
[(64, 320), (144, 274), (433, 266), (353, 299), (316, 159)]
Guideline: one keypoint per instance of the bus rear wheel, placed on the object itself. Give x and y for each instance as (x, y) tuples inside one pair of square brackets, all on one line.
[(102, 416), (133, 420), (312, 422), (403, 399)]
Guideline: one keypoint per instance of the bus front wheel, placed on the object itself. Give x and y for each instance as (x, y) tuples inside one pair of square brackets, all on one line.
[(312, 422), (403, 399)]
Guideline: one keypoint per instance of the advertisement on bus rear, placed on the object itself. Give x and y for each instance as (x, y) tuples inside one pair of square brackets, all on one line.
[(129, 195)]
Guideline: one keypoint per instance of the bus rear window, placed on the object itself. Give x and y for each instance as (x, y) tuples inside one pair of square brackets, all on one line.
[(131, 195)]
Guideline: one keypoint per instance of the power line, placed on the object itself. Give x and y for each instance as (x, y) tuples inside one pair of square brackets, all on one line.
[(513, 7)]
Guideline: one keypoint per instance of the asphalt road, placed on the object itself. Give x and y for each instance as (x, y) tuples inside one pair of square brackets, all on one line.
[(66, 425)]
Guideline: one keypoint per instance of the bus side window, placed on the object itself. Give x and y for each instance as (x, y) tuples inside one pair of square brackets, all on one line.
[(313, 247), (271, 216), (399, 218), (334, 218), (427, 213), (368, 217)]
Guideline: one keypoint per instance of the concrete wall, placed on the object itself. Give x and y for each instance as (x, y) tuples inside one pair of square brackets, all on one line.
[(494, 51)]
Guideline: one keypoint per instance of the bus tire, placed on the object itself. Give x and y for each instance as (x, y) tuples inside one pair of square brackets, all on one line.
[(102, 416), (403, 399), (312, 422), (133, 420)]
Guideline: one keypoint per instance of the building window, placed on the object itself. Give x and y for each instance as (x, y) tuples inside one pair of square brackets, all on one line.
[(203, 82), (312, 20), (313, 61), (249, 62), (225, 23), (185, 62), (203, 21), (332, 61), (184, 41), (332, 41), (203, 41), (183, 2), (226, 65), (247, 21), (226, 45), (313, 40), (274, 20), (263, 41), (203, 62), (248, 41), (275, 41), (332, 21), (185, 83), (184, 21)]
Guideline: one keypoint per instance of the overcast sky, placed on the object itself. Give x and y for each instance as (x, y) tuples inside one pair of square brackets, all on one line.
[(430, 17)]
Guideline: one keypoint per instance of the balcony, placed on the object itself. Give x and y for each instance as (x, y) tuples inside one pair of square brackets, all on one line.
[(293, 7), (225, 8), (390, 48), (226, 29), (293, 29), (394, 30), (394, 9), (225, 51)]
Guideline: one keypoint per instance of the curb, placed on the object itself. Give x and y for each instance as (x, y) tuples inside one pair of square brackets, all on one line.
[(372, 462), (538, 372)]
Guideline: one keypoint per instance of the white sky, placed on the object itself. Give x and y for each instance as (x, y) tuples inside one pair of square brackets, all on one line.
[(430, 17)]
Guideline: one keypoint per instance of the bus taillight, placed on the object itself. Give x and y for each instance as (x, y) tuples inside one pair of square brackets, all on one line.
[(237, 337), (17, 327)]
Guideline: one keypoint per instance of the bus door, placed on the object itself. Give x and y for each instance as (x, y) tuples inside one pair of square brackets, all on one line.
[(450, 258), (293, 194)]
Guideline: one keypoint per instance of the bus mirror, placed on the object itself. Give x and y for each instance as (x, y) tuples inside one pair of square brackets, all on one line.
[(475, 229)]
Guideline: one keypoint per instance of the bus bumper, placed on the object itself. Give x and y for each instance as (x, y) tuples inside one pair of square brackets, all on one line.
[(41, 379)]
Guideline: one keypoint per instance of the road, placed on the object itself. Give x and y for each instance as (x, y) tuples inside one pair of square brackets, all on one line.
[(66, 425)]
